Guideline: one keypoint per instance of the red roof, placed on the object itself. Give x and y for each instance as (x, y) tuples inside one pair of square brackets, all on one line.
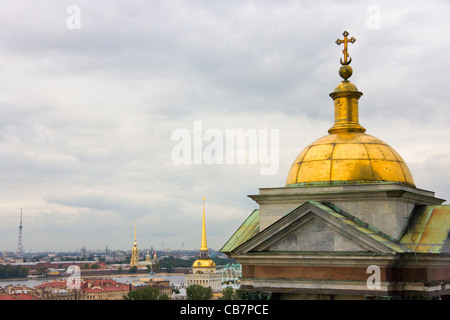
[(101, 285), (52, 284), (19, 296)]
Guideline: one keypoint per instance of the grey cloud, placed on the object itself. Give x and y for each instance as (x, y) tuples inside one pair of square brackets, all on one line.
[(86, 115)]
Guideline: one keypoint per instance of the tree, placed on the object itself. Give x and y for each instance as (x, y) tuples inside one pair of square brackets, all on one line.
[(41, 270), (242, 294), (228, 294), (146, 293), (84, 266), (156, 267), (22, 272), (133, 269), (175, 290), (7, 271), (197, 292)]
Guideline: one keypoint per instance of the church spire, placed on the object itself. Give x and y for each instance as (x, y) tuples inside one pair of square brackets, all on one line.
[(135, 242), (134, 251), (346, 95), (204, 246)]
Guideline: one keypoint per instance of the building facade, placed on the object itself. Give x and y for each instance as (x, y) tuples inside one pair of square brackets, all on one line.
[(102, 289), (18, 292), (349, 223), (161, 284), (55, 290), (85, 289)]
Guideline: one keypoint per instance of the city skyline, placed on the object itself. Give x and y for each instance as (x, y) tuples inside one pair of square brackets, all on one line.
[(91, 95), (142, 248)]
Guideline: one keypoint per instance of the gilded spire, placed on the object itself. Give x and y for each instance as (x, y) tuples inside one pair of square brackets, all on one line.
[(204, 246), (204, 261), (135, 243), (134, 252), (346, 95)]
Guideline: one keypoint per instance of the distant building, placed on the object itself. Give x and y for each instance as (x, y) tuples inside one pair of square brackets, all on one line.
[(204, 269), (55, 290), (117, 256), (103, 289), (135, 251), (8, 254), (18, 292), (231, 273), (161, 284), (83, 252), (86, 289), (134, 261)]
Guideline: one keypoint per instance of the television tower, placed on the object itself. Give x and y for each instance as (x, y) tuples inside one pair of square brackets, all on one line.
[(19, 244)]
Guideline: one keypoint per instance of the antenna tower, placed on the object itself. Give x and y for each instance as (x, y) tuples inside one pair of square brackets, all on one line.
[(19, 243)]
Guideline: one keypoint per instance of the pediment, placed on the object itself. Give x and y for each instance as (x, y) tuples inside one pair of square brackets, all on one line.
[(319, 227), (315, 235)]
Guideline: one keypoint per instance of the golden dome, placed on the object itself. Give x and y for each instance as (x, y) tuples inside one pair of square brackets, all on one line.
[(203, 263), (348, 157), (347, 154)]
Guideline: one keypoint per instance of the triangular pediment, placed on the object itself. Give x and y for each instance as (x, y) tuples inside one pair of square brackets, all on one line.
[(319, 227), (315, 235)]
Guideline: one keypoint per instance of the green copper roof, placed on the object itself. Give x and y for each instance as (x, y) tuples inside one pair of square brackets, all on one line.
[(362, 226), (248, 229), (428, 229)]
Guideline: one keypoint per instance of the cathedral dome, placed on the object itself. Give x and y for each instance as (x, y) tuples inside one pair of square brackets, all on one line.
[(348, 155)]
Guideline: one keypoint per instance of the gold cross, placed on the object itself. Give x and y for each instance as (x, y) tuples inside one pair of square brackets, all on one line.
[(347, 58)]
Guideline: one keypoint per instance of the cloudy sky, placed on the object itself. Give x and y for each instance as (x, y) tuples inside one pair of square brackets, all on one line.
[(91, 93)]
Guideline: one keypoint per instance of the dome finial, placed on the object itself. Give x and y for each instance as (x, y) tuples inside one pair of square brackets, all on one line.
[(346, 96), (345, 71), (346, 40)]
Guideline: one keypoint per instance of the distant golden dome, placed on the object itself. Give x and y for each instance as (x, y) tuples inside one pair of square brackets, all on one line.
[(348, 157), (203, 263)]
